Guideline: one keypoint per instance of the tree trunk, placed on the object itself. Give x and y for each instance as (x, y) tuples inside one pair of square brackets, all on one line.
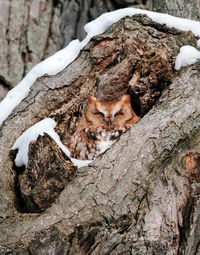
[(30, 31), (183, 9), (142, 195), (75, 14)]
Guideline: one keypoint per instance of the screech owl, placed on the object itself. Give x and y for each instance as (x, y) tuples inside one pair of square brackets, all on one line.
[(101, 124)]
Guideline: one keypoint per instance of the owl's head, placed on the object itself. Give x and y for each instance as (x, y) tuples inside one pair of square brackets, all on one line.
[(108, 114)]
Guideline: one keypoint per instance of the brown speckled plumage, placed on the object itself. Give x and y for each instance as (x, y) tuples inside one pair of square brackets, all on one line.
[(101, 124)]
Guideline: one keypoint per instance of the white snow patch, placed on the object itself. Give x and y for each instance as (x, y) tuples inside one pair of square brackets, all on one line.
[(51, 66), (44, 126), (198, 43), (64, 57), (100, 24), (188, 55)]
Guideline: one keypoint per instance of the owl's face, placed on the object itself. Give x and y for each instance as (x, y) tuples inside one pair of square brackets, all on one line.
[(109, 114)]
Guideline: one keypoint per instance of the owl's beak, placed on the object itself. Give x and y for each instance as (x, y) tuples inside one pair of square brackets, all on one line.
[(108, 121)]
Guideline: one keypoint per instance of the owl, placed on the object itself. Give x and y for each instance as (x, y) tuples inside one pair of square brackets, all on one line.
[(100, 125)]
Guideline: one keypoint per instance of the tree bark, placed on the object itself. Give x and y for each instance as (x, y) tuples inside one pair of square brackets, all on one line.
[(75, 14), (183, 9), (142, 195), (30, 31)]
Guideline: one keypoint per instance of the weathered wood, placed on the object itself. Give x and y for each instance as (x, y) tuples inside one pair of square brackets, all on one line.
[(46, 175), (32, 30), (140, 196)]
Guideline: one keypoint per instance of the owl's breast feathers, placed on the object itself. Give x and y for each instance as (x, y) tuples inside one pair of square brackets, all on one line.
[(89, 143)]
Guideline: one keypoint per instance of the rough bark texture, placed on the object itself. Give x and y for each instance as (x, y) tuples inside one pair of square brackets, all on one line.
[(32, 30), (45, 177), (142, 195), (29, 31), (183, 9)]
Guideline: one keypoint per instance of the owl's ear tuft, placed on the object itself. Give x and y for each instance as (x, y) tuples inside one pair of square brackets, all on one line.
[(126, 98), (92, 99)]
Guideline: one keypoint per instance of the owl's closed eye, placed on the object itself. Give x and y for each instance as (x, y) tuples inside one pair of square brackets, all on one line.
[(109, 113)]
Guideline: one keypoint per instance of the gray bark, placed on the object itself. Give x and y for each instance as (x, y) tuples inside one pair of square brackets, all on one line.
[(32, 30), (179, 8), (75, 14), (29, 33), (142, 195)]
